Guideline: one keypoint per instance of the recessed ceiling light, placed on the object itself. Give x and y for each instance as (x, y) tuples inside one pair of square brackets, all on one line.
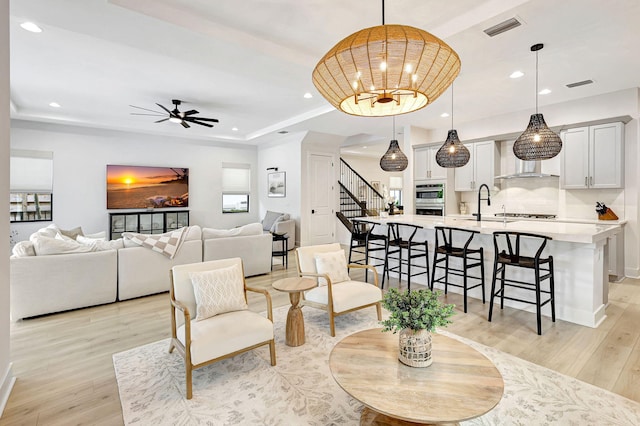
[(54, 105), (544, 92), (235, 129), (308, 95), (30, 26), (444, 115), (516, 74), (364, 147)]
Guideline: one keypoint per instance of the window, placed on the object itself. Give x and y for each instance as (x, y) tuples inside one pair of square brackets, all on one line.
[(31, 185), (396, 194), (236, 186)]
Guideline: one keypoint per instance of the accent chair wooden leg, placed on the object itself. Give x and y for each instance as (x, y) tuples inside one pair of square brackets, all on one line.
[(189, 372), (379, 310), (332, 324), (272, 352), (171, 347)]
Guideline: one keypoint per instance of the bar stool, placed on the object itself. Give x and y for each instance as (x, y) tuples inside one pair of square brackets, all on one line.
[(471, 258), (507, 247), (403, 246), (365, 242)]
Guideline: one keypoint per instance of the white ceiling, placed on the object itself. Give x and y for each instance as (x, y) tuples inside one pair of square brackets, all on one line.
[(249, 62)]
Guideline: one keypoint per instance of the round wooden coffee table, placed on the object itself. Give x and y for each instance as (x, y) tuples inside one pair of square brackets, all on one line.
[(294, 335), (461, 384)]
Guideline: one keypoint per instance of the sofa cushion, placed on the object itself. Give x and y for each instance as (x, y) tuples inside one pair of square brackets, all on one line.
[(23, 249), (333, 264), (270, 219), (97, 244), (250, 229), (96, 236), (218, 291), (47, 246), (72, 233)]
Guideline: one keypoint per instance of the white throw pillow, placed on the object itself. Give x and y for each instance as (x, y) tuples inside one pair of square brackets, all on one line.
[(334, 264), (100, 244), (47, 246), (218, 291), (23, 249), (102, 235)]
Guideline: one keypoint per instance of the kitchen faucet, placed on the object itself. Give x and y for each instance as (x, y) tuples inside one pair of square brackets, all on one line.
[(478, 216)]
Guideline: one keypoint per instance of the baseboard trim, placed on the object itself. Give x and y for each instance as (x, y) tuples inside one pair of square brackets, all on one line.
[(5, 387), (632, 273)]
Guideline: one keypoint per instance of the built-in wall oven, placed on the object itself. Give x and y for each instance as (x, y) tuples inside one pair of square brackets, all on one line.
[(430, 199)]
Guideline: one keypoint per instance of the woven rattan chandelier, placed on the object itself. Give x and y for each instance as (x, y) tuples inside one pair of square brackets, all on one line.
[(537, 142), (394, 159), (386, 70), (452, 153)]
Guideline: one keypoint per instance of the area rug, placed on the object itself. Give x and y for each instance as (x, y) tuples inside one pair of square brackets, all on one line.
[(300, 389)]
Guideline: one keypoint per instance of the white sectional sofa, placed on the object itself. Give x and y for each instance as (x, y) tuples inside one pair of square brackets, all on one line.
[(42, 282), (45, 284), (142, 271), (249, 243)]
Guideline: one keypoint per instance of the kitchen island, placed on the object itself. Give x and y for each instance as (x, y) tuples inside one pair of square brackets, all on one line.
[(578, 250)]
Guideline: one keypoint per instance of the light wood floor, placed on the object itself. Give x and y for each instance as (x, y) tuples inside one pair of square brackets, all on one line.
[(65, 372)]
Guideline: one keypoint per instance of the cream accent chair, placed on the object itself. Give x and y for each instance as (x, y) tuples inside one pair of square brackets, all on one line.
[(341, 298), (222, 336)]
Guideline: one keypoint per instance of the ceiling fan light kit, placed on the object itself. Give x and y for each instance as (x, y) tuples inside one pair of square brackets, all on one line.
[(386, 70), (537, 142), (177, 116)]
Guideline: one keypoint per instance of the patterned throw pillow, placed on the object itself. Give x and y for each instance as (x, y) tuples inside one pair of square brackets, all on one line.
[(218, 291), (333, 264)]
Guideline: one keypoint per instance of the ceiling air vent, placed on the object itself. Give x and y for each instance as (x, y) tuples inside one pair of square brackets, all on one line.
[(507, 25), (579, 83), (283, 132)]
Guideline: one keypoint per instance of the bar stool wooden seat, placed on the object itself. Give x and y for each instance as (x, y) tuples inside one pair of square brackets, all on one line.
[(367, 243), (508, 252), (404, 246), (471, 258)]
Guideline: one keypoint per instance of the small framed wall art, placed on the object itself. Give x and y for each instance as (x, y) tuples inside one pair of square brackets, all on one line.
[(277, 184)]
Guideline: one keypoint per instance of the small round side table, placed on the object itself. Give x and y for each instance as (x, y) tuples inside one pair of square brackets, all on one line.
[(294, 335)]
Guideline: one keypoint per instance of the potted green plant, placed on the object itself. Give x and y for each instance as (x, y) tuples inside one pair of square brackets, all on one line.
[(415, 314)]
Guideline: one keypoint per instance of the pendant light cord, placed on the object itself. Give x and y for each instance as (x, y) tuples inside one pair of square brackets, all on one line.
[(382, 12), (394, 128), (451, 106), (536, 81)]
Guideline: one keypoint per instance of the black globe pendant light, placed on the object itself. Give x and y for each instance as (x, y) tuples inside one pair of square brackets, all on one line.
[(452, 153), (394, 159), (538, 142)]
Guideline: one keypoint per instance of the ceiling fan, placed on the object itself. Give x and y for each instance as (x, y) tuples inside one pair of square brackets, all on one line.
[(177, 116)]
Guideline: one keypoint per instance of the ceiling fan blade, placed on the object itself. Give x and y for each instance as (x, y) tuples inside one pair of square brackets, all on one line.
[(185, 125), (168, 112), (190, 112), (144, 113), (213, 120), (146, 109), (160, 121), (202, 124)]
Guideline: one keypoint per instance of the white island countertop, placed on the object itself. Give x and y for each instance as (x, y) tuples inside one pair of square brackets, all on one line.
[(587, 233)]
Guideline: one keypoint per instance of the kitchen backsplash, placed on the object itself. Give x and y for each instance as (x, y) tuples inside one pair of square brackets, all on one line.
[(543, 196)]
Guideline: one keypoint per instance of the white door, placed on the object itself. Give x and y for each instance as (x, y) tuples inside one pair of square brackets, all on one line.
[(436, 172), (464, 175), (322, 199), (575, 158), (484, 159), (605, 154)]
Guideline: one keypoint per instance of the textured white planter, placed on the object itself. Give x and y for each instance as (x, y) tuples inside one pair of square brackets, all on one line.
[(415, 348)]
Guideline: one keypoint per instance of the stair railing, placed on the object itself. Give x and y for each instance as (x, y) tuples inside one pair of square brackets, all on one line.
[(360, 191)]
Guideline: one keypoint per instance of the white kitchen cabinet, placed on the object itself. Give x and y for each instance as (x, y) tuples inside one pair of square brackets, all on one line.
[(481, 167), (593, 157), (425, 165)]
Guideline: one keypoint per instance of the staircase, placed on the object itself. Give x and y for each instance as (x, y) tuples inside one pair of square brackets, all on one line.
[(357, 197)]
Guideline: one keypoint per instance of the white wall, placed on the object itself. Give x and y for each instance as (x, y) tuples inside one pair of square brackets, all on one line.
[(6, 376), (80, 156), (286, 156)]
